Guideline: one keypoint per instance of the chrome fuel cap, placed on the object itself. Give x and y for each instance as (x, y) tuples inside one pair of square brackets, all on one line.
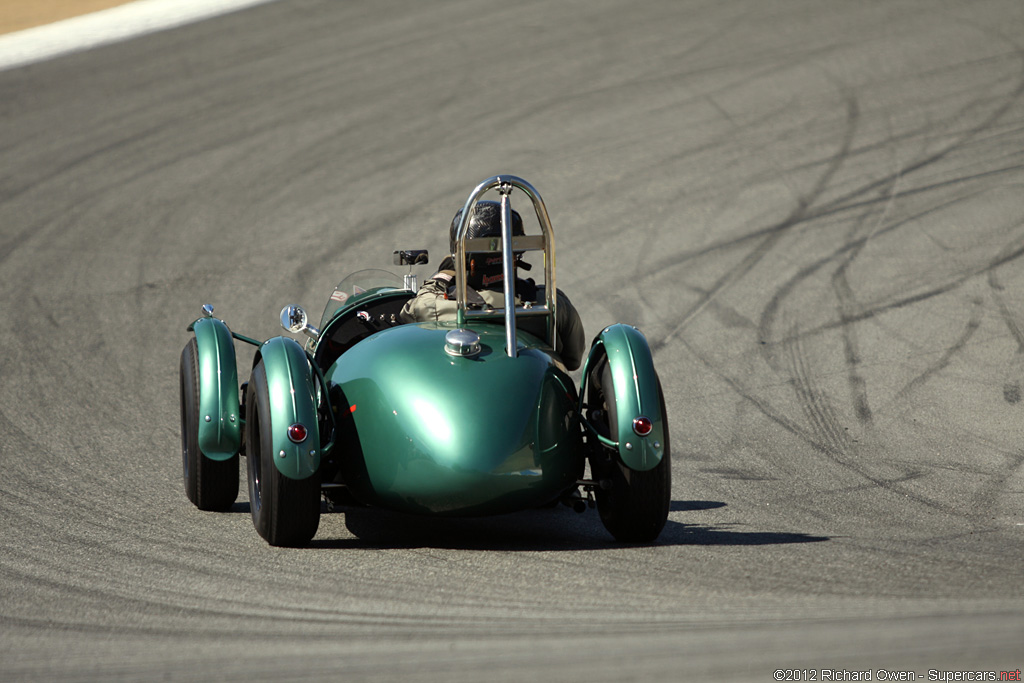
[(462, 343)]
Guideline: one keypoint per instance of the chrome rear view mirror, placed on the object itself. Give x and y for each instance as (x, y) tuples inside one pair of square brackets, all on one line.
[(295, 320)]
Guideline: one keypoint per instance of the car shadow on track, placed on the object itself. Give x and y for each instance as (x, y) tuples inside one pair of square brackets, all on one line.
[(532, 530)]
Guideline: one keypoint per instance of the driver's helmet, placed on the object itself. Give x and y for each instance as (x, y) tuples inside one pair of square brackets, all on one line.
[(484, 269)]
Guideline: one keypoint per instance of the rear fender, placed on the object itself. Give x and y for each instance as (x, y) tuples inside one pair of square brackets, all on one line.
[(293, 396), (219, 416), (635, 386)]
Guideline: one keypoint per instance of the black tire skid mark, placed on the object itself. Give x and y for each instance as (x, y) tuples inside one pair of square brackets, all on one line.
[(804, 213), (846, 299), (856, 198), (763, 406), (823, 439), (817, 408), (848, 251), (1009, 254), (846, 305), (1012, 385), (813, 405), (822, 435), (22, 494), (834, 442), (772, 237), (973, 323), (995, 485), (851, 349), (824, 446)]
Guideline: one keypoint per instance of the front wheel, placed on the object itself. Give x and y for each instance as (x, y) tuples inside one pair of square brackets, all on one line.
[(633, 505), (285, 512), (209, 484)]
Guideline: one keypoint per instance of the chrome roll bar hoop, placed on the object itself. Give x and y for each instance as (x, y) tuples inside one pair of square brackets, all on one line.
[(508, 244)]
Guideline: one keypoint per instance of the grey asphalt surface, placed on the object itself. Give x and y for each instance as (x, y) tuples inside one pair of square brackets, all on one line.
[(815, 211)]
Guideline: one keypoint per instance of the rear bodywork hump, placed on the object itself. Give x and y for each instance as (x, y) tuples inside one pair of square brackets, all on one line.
[(439, 434)]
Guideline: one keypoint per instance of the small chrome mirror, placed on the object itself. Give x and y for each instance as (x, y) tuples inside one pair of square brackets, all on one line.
[(295, 320), (411, 257)]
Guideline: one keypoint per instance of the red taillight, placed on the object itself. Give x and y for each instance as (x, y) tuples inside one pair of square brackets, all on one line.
[(297, 433), (642, 426)]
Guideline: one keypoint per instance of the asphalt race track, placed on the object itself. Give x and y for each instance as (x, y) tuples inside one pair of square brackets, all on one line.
[(815, 212)]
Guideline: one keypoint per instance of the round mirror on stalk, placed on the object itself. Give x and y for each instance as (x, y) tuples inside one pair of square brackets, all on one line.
[(295, 320)]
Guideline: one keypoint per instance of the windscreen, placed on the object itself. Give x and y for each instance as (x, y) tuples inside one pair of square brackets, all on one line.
[(356, 287)]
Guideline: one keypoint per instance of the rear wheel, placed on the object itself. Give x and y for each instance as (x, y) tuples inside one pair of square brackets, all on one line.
[(633, 505), (209, 484), (285, 512)]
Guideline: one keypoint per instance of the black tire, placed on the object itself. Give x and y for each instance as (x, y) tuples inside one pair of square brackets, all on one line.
[(634, 506), (285, 512), (209, 484)]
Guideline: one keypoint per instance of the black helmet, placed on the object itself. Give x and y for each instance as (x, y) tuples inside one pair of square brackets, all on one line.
[(485, 269), (485, 222)]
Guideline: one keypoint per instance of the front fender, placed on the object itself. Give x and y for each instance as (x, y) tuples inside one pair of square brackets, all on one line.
[(635, 386), (219, 418), (292, 394)]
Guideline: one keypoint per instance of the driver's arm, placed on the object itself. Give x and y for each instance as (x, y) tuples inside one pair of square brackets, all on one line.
[(572, 342), (430, 302)]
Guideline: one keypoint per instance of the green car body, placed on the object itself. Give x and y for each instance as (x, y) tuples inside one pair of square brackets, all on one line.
[(452, 435), (392, 413), (220, 423), (294, 398), (635, 384)]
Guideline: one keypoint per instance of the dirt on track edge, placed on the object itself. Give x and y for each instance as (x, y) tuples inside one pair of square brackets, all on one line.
[(18, 16)]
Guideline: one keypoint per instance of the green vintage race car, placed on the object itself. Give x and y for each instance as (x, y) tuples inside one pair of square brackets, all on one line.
[(470, 417)]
